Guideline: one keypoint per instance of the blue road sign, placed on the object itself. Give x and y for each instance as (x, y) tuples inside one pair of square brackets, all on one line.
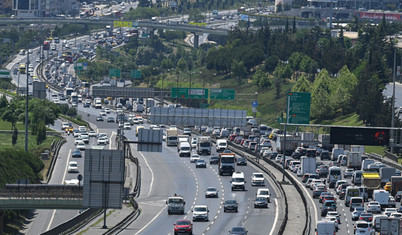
[(254, 104)]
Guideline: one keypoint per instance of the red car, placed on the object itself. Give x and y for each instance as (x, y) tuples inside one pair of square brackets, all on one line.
[(183, 226)]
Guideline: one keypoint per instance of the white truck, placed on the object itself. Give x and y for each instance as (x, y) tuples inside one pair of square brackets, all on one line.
[(171, 137), (184, 149), (354, 160), (335, 153), (382, 197), (308, 165), (291, 144), (386, 173), (98, 103), (221, 145), (204, 145), (357, 149), (175, 205), (325, 228), (366, 163)]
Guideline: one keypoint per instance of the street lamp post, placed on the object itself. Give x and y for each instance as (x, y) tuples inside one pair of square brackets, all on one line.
[(177, 89), (393, 105), (26, 104)]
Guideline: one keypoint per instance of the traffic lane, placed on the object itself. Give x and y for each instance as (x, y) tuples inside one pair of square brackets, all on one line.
[(247, 216), (162, 175)]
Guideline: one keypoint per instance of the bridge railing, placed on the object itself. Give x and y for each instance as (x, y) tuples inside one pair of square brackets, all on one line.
[(42, 191)]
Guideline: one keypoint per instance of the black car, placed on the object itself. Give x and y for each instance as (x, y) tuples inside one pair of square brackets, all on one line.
[(260, 202), (238, 230), (76, 153), (99, 118), (110, 119), (213, 160), (230, 205), (325, 155), (241, 161), (87, 105), (296, 155)]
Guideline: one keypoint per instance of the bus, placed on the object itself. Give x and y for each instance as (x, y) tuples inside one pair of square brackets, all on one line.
[(23, 68), (46, 45)]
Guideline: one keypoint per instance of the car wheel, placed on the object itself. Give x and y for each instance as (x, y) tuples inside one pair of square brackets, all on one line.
[(224, 210), (236, 210)]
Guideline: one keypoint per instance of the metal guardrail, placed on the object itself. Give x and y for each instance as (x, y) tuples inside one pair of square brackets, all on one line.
[(384, 160), (55, 156), (307, 226)]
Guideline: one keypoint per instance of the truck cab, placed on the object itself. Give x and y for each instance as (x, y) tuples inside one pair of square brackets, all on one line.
[(221, 145), (175, 204)]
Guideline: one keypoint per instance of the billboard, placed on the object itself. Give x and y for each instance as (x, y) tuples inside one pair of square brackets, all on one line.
[(359, 136), (370, 15)]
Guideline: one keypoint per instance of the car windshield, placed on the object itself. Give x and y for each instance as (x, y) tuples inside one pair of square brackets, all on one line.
[(359, 209), (175, 200), (362, 225), (238, 229), (200, 161), (200, 209), (264, 192), (183, 222), (230, 202), (237, 179), (258, 175), (222, 144), (260, 199), (211, 189), (185, 148), (205, 144)]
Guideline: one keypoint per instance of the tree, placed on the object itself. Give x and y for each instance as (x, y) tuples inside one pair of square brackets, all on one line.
[(270, 63), (41, 133), (14, 138), (181, 65), (239, 70), (261, 80), (302, 85)]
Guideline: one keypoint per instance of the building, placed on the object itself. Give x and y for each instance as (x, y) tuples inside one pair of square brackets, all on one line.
[(42, 8), (5, 6)]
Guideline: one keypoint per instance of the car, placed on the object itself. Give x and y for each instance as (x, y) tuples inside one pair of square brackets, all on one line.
[(127, 126), (333, 219), (77, 140), (76, 133), (264, 192), (322, 171), (318, 190), (335, 214), (241, 161), (200, 163), (366, 216), (103, 140), (107, 110), (395, 215), (361, 231), (260, 202), (99, 118), (230, 205), (119, 110), (110, 119), (81, 146), (329, 205), (85, 138), (194, 144), (391, 202), (323, 194), (238, 230), (356, 213), (211, 192), (328, 197), (348, 173), (389, 211), (361, 224), (72, 167), (200, 212), (37, 60), (102, 113), (213, 160), (373, 207), (194, 158), (398, 196), (183, 227), (76, 153), (92, 133), (187, 131), (257, 179)]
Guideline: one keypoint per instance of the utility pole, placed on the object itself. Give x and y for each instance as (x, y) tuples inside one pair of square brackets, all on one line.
[(393, 105), (26, 104), (177, 89)]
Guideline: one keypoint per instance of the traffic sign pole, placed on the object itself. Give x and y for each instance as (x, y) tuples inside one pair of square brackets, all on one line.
[(284, 138)]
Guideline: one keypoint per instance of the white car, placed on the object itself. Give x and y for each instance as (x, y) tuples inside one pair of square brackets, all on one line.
[(335, 214), (194, 144), (103, 140), (264, 192), (194, 158), (92, 134), (72, 167), (37, 60), (257, 179), (135, 121), (78, 140), (389, 211), (102, 113), (333, 219), (140, 120), (81, 146), (395, 216), (200, 212), (107, 110), (119, 110), (373, 207), (127, 126), (211, 192)]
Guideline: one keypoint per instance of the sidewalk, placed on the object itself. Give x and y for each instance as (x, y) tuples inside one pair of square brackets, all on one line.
[(114, 216)]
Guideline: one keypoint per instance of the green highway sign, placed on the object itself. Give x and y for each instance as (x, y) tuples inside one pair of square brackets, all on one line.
[(183, 92), (115, 73), (222, 94), (135, 74), (299, 107), (78, 66), (5, 73)]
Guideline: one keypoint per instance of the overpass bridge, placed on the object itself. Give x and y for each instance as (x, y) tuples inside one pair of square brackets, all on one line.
[(41, 196)]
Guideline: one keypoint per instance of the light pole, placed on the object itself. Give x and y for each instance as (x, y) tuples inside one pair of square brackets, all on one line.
[(177, 89), (393, 105), (26, 104)]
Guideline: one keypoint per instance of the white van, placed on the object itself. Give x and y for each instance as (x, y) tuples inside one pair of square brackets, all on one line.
[(184, 149), (264, 192), (221, 145), (64, 125), (82, 129), (382, 197), (325, 228), (238, 181)]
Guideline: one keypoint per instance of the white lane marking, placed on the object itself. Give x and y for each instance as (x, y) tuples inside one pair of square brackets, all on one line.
[(110, 140), (64, 178), (156, 216), (276, 217), (152, 174), (309, 196)]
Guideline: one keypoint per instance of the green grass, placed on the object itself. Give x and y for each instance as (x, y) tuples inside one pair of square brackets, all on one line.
[(6, 126)]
